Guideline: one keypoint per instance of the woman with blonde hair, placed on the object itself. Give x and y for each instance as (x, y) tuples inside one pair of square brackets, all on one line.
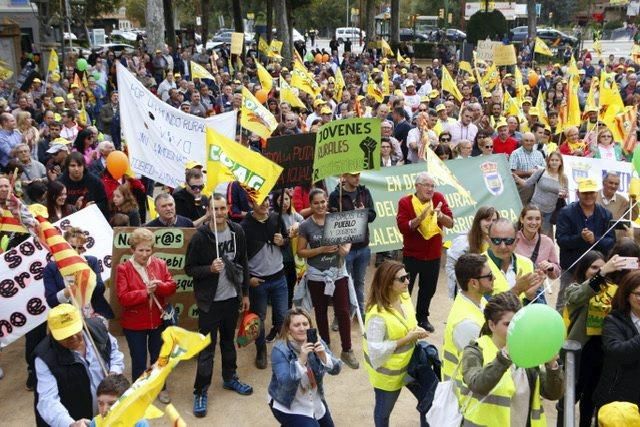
[(143, 287), (391, 332), (606, 147), (30, 134)]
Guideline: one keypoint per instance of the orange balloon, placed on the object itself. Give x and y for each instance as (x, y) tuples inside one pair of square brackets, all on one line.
[(117, 164), (325, 57), (533, 78), (318, 58), (262, 95)]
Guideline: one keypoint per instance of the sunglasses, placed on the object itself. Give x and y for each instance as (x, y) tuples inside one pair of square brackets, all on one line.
[(506, 240), (422, 110), (445, 139), (488, 147), (404, 278), (489, 276), (196, 187)]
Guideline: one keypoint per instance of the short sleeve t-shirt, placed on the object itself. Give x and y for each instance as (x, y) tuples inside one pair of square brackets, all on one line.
[(227, 248), (313, 233)]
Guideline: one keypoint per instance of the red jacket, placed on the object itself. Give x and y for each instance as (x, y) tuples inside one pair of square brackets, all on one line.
[(564, 149), (504, 147), (110, 184), (415, 245), (137, 313)]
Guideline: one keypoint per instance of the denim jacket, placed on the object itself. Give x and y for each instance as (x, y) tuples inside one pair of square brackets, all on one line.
[(285, 378)]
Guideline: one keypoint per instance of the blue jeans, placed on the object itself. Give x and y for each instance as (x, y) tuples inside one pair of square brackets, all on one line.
[(139, 342), (297, 420), (357, 262), (277, 291), (385, 401)]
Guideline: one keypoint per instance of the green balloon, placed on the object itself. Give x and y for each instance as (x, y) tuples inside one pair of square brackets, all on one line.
[(636, 159), (535, 335), (81, 64)]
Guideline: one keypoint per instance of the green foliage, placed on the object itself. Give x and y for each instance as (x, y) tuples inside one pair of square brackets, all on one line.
[(425, 50), (612, 25), (482, 25), (136, 10)]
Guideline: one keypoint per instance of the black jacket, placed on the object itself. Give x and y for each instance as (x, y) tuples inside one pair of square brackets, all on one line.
[(72, 378), (620, 376), (259, 233), (363, 196), (90, 187), (186, 205), (200, 254)]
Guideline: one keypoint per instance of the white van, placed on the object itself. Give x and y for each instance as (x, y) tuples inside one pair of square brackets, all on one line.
[(348, 33)]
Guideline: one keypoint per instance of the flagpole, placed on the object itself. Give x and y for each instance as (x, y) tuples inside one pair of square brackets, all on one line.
[(215, 226)]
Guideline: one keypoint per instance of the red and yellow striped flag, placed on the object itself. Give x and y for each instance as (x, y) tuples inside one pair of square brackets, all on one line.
[(10, 224), (627, 124)]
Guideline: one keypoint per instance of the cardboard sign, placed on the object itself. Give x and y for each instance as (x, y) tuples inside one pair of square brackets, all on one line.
[(482, 176), (484, 50), (504, 54), (295, 154), (171, 246), (345, 227), (22, 302), (237, 40), (346, 145)]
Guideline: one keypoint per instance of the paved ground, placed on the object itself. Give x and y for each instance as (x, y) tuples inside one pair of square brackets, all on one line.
[(349, 395)]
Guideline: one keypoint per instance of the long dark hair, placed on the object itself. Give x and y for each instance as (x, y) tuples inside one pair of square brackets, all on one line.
[(474, 235), (580, 273), (78, 144), (499, 304), (629, 282), (54, 189)]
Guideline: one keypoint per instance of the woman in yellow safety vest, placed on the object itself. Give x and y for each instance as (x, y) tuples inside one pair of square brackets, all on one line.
[(391, 333), (496, 392)]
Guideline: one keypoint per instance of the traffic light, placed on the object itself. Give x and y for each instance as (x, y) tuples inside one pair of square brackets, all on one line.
[(441, 13)]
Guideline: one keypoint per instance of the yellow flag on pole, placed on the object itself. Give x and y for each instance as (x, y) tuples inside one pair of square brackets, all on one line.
[(287, 94), (340, 85), (449, 84), (54, 64), (229, 161), (301, 79), (266, 81), (399, 58), (276, 47), (442, 174), (374, 91), (465, 66), (199, 72), (386, 83), (542, 109), (255, 117), (263, 47), (386, 49), (542, 48)]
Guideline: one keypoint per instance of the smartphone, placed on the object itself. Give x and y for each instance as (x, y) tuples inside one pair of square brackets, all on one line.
[(312, 335), (630, 263), (620, 225)]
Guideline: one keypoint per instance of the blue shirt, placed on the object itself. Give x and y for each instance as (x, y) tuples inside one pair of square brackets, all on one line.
[(8, 140), (49, 406)]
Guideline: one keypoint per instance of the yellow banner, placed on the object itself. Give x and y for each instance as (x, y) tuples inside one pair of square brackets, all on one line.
[(229, 161), (504, 55), (53, 61)]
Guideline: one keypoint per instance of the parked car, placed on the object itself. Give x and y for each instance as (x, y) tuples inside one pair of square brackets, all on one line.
[(408, 35), (455, 35), (349, 33), (115, 47), (549, 35)]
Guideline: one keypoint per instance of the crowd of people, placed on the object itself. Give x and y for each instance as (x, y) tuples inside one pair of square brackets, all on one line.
[(59, 127)]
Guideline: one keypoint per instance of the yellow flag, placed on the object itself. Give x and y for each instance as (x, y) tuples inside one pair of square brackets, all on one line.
[(266, 81), (228, 159), (443, 175), (610, 100), (175, 418), (399, 58), (520, 90), (255, 117), (301, 79), (542, 48), (288, 95), (53, 61), (340, 85), (386, 83), (542, 109), (449, 84), (591, 96), (569, 113), (491, 77), (152, 207), (263, 47), (374, 91), (465, 66), (276, 47), (5, 72), (178, 344), (386, 49)]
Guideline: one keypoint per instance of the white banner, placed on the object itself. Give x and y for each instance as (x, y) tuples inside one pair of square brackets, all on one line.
[(160, 138), (580, 167), (22, 302)]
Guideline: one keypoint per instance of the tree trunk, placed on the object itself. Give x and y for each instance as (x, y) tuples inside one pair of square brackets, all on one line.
[(204, 13), (269, 27), (370, 23), (169, 24), (395, 22), (238, 23), (531, 21), (284, 30), (155, 25)]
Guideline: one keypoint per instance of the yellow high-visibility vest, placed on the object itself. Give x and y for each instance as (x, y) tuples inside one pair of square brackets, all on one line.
[(462, 309)]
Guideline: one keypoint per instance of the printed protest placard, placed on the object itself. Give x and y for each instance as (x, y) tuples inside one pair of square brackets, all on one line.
[(160, 138), (237, 40), (345, 227), (481, 176), (22, 302), (504, 54), (484, 51), (171, 246), (295, 154), (345, 146), (577, 168)]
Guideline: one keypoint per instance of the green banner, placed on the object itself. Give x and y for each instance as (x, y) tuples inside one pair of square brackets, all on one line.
[(345, 146), (488, 179)]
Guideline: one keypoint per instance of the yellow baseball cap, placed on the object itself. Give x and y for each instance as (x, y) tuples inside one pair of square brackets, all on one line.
[(587, 185), (64, 321), (616, 414), (191, 164), (440, 107), (319, 102), (501, 123), (434, 94), (533, 111), (74, 86), (325, 110), (58, 99)]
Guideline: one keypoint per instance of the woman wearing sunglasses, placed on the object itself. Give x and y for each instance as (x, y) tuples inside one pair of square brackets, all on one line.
[(588, 302), (391, 333)]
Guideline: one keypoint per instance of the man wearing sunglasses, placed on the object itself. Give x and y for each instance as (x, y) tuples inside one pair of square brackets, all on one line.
[(512, 271), (190, 202), (466, 317)]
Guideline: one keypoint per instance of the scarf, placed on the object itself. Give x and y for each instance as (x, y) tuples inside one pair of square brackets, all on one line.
[(429, 225), (573, 146)]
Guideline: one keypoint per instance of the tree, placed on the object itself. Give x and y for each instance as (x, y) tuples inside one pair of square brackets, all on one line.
[(238, 23), (136, 11), (284, 31), (167, 6), (486, 24), (531, 19), (370, 22), (395, 22), (205, 21), (155, 25)]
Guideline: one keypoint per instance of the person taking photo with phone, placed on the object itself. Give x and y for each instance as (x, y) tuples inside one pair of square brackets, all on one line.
[(299, 360)]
